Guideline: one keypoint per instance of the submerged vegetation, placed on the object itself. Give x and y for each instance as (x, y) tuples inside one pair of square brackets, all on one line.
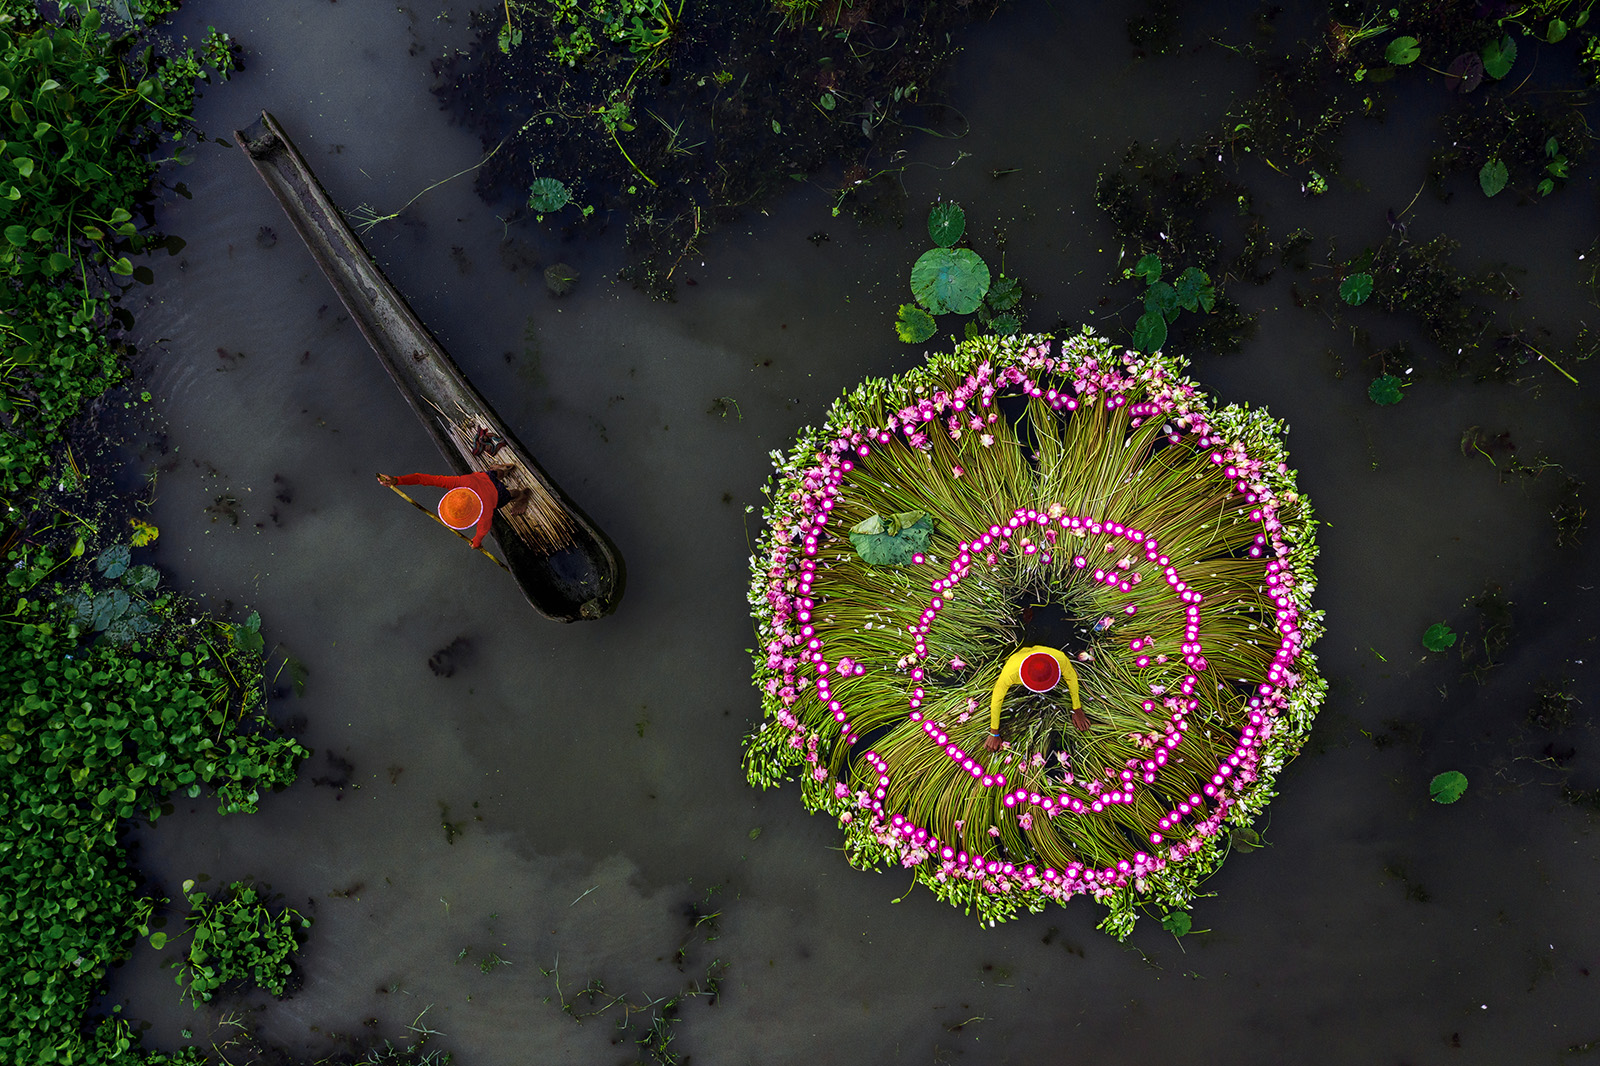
[(1080, 497)]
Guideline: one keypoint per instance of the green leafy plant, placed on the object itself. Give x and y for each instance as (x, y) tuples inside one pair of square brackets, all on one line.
[(1355, 289), (1178, 923), (1191, 290), (1556, 168), (235, 939), (1492, 177), (892, 541), (1402, 51), (1448, 786), (547, 195), (950, 280), (914, 325), (1386, 390), (1438, 637), (1499, 56)]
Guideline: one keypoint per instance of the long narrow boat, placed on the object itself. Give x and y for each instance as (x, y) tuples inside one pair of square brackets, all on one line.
[(568, 569)]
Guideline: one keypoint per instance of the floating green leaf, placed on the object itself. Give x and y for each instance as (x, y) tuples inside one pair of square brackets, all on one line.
[(1448, 786), (1243, 838), (1004, 294), (1150, 332), (1148, 267), (1493, 177), (1498, 57), (950, 280), (113, 561), (1178, 923), (1195, 291), (1402, 51), (1438, 637), (914, 325), (1163, 299), (548, 194), (946, 223), (893, 541), (1385, 390), (1557, 30), (1355, 289), (1005, 325)]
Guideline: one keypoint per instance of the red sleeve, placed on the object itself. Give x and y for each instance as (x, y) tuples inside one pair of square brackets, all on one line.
[(477, 481), (443, 481)]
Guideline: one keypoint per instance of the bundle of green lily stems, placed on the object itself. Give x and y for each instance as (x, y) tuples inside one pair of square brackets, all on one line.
[(1024, 490)]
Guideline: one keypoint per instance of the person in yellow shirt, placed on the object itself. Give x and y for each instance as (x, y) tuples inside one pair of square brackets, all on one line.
[(1038, 669)]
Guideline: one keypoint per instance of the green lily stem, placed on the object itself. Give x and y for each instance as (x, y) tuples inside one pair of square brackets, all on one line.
[(1553, 363), (631, 163)]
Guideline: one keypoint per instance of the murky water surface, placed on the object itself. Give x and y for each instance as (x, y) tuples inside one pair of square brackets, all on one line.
[(561, 797)]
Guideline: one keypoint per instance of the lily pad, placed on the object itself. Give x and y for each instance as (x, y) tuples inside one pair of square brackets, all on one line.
[(548, 194), (1386, 390), (950, 280), (1148, 267), (1150, 332), (113, 561), (1498, 57), (1493, 177), (892, 541), (946, 223), (1448, 786), (1438, 637), (1195, 291), (1355, 289), (1163, 298), (914, 325), (1178, 923), (1402, 51), (1004, 293), (1465, 73)]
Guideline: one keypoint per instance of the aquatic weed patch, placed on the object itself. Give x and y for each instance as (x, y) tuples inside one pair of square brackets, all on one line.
[(672, 127), (1080, 495)]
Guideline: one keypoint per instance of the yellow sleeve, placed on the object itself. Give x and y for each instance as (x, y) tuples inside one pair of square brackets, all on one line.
[(1010, 674)]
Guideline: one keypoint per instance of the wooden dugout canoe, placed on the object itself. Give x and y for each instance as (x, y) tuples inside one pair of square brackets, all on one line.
[(568, 569)]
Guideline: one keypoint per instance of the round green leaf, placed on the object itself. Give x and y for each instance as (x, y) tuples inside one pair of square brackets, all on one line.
[(1492, 178), (548, 194), (1385, 391), (1355, 289), (950, 280), (158, 940), (946, 223), (1448, 786), (1148, 267), (1163, 298), (1150, 332), (1438, 637), (914, 325), (1402, 51), (1498, 56), (1195, 291), (1178, 923)]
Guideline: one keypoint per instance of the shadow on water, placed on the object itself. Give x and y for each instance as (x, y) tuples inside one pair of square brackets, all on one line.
[(564, 793)]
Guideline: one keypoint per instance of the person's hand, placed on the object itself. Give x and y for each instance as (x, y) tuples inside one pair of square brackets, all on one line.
[(993, 743), (386, 479)]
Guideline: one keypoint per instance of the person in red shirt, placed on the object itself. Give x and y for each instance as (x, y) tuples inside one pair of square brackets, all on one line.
[(483, 484)]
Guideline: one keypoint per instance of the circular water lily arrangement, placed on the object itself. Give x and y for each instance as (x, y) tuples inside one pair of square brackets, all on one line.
[(1027, 493)]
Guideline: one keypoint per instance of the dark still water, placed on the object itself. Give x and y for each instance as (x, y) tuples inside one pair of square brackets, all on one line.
[(570, 798)]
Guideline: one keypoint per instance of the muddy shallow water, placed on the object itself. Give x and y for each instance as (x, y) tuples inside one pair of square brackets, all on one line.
[(566, 792)]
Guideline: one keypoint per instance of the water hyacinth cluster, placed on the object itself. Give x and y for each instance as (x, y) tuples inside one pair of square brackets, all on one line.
[(1080, 497)]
